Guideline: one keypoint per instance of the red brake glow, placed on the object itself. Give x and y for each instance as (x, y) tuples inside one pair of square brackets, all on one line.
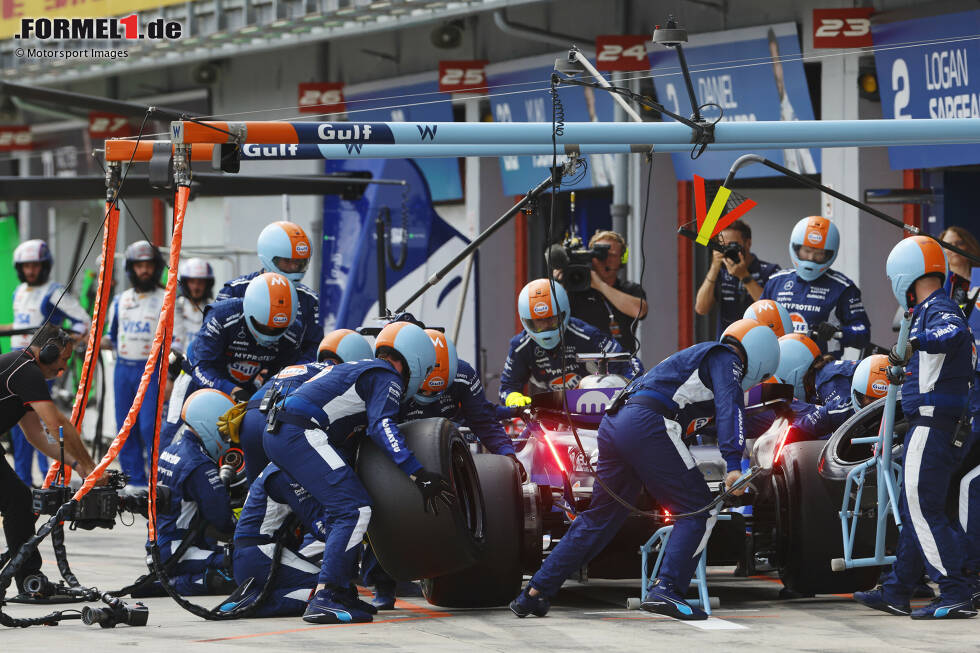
[(554, 452), (782, 443)]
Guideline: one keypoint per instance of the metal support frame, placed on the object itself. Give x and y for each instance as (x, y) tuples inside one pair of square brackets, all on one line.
[(885, 472)]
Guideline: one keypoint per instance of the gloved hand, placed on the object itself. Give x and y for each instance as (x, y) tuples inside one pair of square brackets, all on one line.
[(895, 375), (903, 360), (520, 467), (824, 332), (240, 394), (517, 400), (433, 488), (730, 479)]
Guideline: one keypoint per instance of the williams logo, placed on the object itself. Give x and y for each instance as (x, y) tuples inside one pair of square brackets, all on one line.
[(427, 132)]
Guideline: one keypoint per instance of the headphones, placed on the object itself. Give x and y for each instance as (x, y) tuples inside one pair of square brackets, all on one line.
[(52, 349), (612, 235)]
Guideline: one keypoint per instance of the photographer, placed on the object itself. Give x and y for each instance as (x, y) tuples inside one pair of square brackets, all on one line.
[(736, 277), (26, 400), (608, 303)]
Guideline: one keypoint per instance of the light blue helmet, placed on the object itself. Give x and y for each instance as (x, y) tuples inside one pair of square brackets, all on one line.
[(818, 233), (870, 380), (771, 313), (409, 342), (280, 242), (201, 412), (269, 306), (345, 344), (537, 303), (796, 354), (760, 347), (444, 372), (911, 259)]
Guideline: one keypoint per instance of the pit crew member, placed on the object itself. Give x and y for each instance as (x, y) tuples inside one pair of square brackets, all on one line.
[(640, 444), (821, 301), (937, 369), (196, 290)]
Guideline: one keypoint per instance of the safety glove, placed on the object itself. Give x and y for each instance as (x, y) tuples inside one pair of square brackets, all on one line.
[(433, 488), (517, 400), (902, 360), (520, 467), (230, 423), (240, 394), (824, 332)]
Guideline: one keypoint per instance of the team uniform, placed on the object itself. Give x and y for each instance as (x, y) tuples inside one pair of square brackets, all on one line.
[(197, 494), (226, 355), (274, 505), (465, 403), (831, 297), (307, 323), (730, 293), (529, 363), (934, 396), (832, 405), (253, 422), (188, 320), (133, 319), (32, 306), (315, 444), (641, 446)]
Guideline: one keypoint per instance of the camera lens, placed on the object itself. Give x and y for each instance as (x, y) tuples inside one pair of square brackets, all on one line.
[(93, 616)]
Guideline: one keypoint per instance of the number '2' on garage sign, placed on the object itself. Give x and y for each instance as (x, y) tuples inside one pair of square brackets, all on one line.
[(462, 76), (621, 52)]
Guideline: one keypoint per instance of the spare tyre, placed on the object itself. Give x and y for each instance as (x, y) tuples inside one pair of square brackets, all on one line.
[(809, 527), (409, 542), (496, 577)]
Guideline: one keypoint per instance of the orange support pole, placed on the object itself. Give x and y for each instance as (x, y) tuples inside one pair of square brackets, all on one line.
[(911, 213), (685, 270)]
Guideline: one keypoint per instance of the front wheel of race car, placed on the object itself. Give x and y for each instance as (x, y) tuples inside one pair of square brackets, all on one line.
[(409, 542), (808, 527), (496, 577)]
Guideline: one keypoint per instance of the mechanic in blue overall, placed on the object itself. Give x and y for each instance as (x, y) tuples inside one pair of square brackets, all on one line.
[(198, 499), (968, 499), (820, 301), (37, 300), (936, 372), (312, 436), (640, 445), (275, 507), (133, 318), (452, 390), (283, 248), (242, 343), (340, 346), (535, 356)]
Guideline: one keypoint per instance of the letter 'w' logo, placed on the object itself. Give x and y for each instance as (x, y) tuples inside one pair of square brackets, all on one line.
[(428, 132), (711, 221), (354, 147)]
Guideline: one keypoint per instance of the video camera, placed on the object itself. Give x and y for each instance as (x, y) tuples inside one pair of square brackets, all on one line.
[(116, 612), (574, 260), (98, 508)]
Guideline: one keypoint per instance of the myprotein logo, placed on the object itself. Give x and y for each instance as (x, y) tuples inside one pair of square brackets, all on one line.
[(98, 29)]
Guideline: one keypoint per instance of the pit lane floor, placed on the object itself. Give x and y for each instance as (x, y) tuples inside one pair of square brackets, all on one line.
[(584, 617)]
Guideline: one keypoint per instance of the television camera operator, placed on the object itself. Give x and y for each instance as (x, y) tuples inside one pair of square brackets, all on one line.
[(596, 293), (736, 277), (25, 400)]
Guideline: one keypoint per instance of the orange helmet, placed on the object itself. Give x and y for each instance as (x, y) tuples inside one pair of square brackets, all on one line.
[(444, 372), (870, 381)]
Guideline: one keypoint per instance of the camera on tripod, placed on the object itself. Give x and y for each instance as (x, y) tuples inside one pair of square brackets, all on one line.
[(116, 612), (99, 507), (574, 260)]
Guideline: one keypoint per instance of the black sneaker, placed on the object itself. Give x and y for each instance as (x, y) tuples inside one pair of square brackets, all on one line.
[(663, 598), (526, 604), (940, 608), (876, 600)]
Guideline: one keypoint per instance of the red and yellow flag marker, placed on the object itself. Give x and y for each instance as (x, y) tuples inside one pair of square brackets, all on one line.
[(710, 221)]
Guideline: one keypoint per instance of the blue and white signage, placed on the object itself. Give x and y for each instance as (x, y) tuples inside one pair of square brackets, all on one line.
[(923, 70), (425, 104), (520, 93), (751, 74)]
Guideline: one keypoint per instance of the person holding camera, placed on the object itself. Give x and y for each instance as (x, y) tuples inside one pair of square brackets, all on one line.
[(25, 400), (608, 303), (736, 277)]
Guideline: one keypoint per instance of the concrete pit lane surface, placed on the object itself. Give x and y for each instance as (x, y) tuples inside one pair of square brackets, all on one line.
[(590, 616)]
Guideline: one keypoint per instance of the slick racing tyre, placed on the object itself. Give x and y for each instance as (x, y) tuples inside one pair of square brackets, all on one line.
[(410, 543), (809, 528), (496, 577)]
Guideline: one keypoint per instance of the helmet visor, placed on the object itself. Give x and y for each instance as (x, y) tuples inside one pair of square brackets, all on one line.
[(813, 254), (291, 265), (542, 324), (272, 332)]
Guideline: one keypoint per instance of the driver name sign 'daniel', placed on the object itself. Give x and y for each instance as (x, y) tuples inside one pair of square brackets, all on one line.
[(772, 86), (931, 80)]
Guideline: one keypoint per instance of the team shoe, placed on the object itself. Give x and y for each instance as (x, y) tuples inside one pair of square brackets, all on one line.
[(243, 595), (876, 600), (663, 598), (940, 608), (363, 606), (526, 604), (383, 600), (923, 590), (329, 607)]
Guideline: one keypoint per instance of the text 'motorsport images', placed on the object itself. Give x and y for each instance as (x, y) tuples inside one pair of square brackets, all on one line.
[(444, 325)]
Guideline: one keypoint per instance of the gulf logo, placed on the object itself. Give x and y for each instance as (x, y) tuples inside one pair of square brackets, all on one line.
[(436, 382), (879, 388), (302, 250), (814, 237), (280, 319), (567, 381), (799, 323), (292, 370), (243, 370), (540, 308)]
